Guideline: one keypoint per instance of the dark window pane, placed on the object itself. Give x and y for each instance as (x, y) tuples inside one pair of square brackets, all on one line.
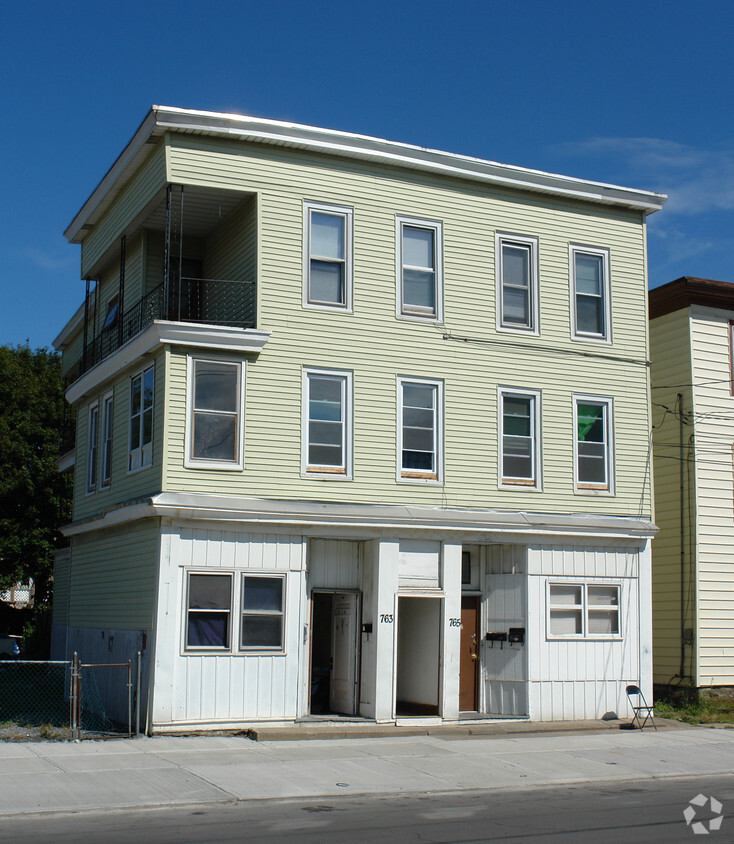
[(263, 593), (149, 379), (516, 265), (216, 386), (208, 629), (516, 416), (325, 455), (420, 461), (418, 395), (325, 433), (209, 591), (516, 306), (417, 417), (589, 315), (215, 436), (466, 566), (327, 282), (590, 419), (135, 396), (419, 289), (147, 426), (592, 470), (262, 631)]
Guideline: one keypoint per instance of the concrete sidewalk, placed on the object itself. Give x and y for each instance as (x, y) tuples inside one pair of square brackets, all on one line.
[(169, 771)]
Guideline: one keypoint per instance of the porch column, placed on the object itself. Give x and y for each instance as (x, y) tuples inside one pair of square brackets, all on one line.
[(385, 628), (645, 619), (451, 630)]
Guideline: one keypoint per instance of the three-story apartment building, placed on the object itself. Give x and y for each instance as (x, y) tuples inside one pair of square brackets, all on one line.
[(362, 429)]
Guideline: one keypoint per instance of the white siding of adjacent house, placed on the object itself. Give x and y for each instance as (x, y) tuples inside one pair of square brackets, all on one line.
[(714, 430)]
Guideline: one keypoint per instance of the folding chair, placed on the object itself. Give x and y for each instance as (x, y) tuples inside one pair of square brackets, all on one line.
[(641, 709)]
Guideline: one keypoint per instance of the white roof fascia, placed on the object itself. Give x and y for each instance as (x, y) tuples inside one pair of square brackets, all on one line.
[(332, 141)]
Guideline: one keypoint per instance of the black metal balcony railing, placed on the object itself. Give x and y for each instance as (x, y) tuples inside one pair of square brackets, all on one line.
[(205, 300)]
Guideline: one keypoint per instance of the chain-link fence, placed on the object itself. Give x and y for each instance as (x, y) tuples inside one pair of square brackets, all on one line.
[(55, 699)]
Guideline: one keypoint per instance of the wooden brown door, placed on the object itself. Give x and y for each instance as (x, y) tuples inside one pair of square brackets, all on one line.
[(469, 660)]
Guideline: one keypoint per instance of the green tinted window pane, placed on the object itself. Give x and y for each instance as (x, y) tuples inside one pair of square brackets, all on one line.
[(590, 418), (516, 416)]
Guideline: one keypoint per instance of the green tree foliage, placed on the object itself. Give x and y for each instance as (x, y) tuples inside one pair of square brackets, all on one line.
[(36, 428)]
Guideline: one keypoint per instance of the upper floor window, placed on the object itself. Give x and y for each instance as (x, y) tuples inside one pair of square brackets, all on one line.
[(593, 443), (328, 256), (216, 414), (419, 432), (583, 610), (419, 268), (141, 419), (92, 447), (326, 423), (590, 293), (519, 438), (107, 408), (517, 282)]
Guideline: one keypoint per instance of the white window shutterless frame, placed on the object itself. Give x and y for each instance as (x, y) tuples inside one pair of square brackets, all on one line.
[(142, 388), (420, 434), (216, 412), (419, 268), (519, 438), (327, 256), (591, 310), (92, 447), (593, 444), (582, 610), (516, 267), (327, 424)]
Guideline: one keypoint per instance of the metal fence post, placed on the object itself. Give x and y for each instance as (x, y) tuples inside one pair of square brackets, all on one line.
[(74, 698), (129, 698), (137, 697)]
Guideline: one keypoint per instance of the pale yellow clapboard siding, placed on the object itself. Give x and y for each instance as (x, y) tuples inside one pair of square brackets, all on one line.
[(114, 573), (132, 199), (670, 346)]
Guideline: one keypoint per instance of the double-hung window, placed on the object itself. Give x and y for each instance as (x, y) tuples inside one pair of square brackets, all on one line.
[(92, 447), (419, 268), (327, 256), (593, 444), (327, 422), (519, 438), (590, 297), (517, 282), (213, 606), (141, 419), (107, 408), (214, 430), (419, 429), (583, 610)]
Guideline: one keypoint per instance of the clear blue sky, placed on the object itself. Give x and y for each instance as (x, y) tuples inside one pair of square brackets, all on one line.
[(633, 93)]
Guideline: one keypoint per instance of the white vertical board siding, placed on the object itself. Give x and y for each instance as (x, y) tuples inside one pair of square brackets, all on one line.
[(419, 564), (574, 679), (224, 688), (334, 564), (714, 471)]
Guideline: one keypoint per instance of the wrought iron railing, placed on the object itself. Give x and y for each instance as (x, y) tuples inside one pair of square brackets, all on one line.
[(214, 301)]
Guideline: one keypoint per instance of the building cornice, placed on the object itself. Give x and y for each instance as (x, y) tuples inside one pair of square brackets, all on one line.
[(371, 520), (689, 290), (161, 333), (163, 119)]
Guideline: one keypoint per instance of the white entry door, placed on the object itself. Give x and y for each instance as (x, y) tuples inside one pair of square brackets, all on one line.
[(342, 685)]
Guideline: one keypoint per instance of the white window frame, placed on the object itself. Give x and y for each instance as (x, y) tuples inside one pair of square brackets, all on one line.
[(411, 475), (505, 482), (584, 608), (141, 457), (586, 487), (204, 649), (93, 448), (249, 649), (414, 312), (530, 243), (347, 213), (235, 613), (600, 252), (344, 472), (108, 432), (191, 462)]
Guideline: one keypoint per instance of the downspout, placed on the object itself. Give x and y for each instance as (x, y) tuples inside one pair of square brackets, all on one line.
[(681, 670)]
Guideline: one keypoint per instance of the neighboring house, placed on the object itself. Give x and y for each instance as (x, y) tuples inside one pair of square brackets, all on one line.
[(693, 445), (362, 429)]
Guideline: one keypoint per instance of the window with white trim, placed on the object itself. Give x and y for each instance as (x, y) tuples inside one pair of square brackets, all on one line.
[(419, 268), (517, 282), (327, 422), (519, 419), (216, 415), (262, 613), (209, 611), (107, 418), (92, 446), (583, 610), (141, 419), (419, 429), (593, 447), (327, 255), (590, 297)]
